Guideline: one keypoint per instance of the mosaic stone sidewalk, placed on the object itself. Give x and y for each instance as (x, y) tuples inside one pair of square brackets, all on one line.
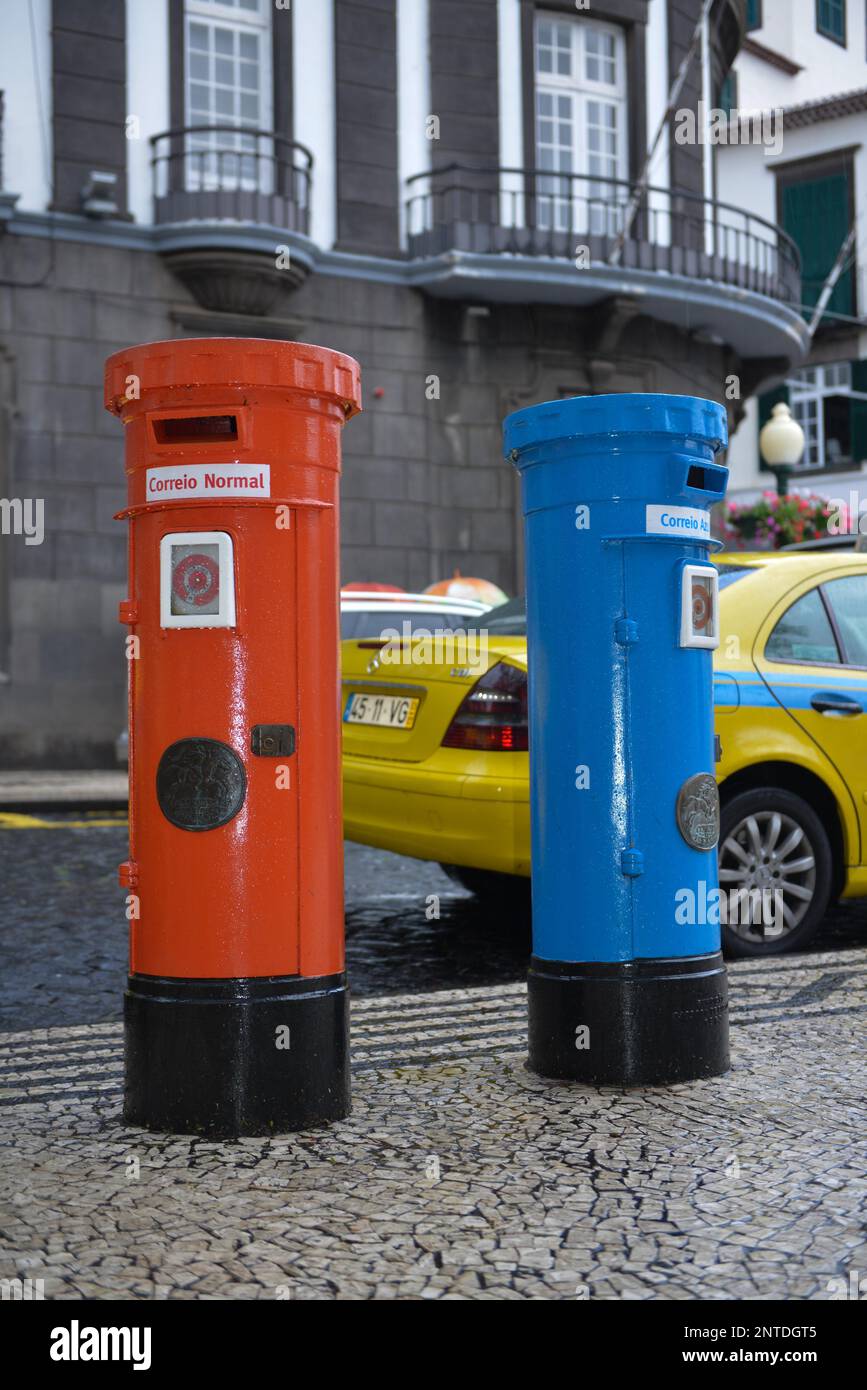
[(460, 1174)]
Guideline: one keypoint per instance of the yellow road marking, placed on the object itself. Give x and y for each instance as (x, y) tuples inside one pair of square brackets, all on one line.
[(11, 820)]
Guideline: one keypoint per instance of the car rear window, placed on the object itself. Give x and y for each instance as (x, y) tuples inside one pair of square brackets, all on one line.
[(507, 620), (372, 624), (730, 574)]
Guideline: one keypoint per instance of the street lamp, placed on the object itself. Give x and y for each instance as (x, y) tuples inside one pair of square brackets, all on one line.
[(782, 445)]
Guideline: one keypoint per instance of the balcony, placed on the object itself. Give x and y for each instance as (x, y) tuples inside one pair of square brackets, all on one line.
[(534, 236), (226, 198)]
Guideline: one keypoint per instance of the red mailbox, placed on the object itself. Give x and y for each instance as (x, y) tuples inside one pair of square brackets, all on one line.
[(236, 1008)]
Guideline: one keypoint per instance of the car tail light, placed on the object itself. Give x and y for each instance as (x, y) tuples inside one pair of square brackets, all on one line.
[(493, 717)]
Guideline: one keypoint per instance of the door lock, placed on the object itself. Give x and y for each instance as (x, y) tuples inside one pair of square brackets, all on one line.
[(272, 740)]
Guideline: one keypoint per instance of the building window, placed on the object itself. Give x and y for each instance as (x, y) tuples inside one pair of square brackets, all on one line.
[(820, 399), (580, 124), (227, 89), (831, 19), (816, 209), (728, 93), (830, 404), (754, 14)]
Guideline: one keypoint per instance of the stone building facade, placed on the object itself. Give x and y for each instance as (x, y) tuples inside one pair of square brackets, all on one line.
[(374, 176)]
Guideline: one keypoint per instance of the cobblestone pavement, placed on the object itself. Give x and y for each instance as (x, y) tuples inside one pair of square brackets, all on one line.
[(64, 946), (459, 1174), (64, 950)]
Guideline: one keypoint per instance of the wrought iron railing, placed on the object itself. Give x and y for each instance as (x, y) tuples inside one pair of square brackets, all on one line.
[(582, 217), (234, 173)]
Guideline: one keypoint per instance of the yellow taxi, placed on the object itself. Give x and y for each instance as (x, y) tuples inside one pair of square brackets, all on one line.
[(435, 742)]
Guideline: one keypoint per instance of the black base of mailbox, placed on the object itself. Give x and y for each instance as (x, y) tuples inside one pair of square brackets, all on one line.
[(211, 1056), (649, 1022)]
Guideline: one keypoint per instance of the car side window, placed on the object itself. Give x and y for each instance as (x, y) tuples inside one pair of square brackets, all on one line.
[(804, 633), (848, 600)]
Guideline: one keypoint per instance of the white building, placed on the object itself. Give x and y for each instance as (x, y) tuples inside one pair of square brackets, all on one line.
[(807, 59)]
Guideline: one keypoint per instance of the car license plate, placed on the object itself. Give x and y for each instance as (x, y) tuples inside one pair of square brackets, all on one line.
[(385, 711)]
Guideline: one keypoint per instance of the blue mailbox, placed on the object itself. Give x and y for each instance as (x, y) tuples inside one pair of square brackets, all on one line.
[(626, 984)]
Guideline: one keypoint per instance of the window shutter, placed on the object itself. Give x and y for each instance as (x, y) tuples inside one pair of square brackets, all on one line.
[(859, 413), (831, 19), (728, 95), (769, 400), (816, 215)]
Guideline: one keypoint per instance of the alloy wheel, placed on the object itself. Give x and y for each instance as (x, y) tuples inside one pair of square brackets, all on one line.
[(767, 852)]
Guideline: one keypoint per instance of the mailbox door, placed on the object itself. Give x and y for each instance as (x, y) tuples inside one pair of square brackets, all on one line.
[(219, 841), (661, 678)]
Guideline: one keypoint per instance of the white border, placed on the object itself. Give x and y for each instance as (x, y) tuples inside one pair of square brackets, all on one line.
[(28, 121), (314, 112), (510, 87), (225, 616), (413, 105), (147, 97), (689, 638)]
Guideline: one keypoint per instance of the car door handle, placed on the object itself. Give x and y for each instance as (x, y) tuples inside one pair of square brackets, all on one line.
[(835, 704)]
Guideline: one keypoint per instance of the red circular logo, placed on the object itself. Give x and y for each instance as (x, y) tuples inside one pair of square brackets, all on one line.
[(700, 608), (196, 579)]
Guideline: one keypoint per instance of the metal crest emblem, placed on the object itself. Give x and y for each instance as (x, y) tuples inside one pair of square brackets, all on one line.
[(698, 811), (373, 665), (201, 783)]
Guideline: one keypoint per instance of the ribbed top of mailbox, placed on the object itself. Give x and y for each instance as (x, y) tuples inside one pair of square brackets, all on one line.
[(606, 417), (178, 367)]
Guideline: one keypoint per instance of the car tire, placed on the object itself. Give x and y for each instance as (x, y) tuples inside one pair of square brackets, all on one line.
[(492, 887), (754, 827)]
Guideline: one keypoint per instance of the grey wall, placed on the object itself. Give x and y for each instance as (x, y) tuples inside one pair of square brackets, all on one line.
[(727, 24), (65, 701), (89, 96), (463, 81), (366, 75), (686, 161)]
